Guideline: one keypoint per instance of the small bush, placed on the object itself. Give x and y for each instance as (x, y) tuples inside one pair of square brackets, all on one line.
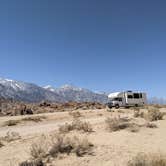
[(11, 122), (133, 128), (39, 149), (82, 146), (84, 126), (121, 111), (32, 163), (69, 145), (157, 106), (148, 160), (65, 128), (60, 144), (76, 125), (138, 113), (34, 118), (151, 125), (75, 114), (154, 114), (1, 144), (11, 136), (115, 124)]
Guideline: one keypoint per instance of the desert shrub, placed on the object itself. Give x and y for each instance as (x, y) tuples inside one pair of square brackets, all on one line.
[(100, 114), (121, 111), (75, 114), (38, 162), (1, 144), (11, 122), (62, 144), (115, 124), (34, 118), (151, 125), (138, 113), (11, 136), (80, 125), (136, 109), (39, 149), (133, 127), (65, 128), (76, 125), (148, 160), (157, 106), (154, 114), (82, 146)]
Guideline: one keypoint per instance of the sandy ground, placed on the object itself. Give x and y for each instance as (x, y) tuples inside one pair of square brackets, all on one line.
[(110, 148)]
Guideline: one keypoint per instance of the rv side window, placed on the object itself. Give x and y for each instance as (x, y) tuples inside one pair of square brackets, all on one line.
[(129, 96), (120, 99), (136, 95), (140, 95)]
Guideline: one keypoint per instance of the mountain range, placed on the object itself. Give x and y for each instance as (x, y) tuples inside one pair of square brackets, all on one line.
[(29, 92)]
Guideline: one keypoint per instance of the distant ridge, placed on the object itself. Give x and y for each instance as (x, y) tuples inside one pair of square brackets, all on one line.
[(29, 92)]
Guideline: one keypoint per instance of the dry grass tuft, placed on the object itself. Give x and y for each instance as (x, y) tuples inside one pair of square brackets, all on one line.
[(69, 145), (34, 118), (1, 144), (76, 125), (138, 113), (154, 114), (11, 122), (121, 111), (38, 162), (133, 127), (75, 114), (59, 143), (11, 136), (40, 148), (148, 160), (151, 125), (115, 124), (15, 122), (83, 126), (157, 106)]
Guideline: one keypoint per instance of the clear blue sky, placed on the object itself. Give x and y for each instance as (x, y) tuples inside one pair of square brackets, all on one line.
[(103, 45)]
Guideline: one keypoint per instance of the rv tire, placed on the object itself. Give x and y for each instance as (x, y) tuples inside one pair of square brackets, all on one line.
[(116, 106)]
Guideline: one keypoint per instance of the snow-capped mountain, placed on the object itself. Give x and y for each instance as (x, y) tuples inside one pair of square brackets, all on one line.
[(73, 93), (29, 92), (50, 88)]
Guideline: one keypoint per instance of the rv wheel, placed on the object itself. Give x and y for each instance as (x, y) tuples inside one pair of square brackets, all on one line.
[(116, 106), (109, 105)]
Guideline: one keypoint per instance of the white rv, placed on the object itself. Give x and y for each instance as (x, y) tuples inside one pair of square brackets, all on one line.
[(126, 99)]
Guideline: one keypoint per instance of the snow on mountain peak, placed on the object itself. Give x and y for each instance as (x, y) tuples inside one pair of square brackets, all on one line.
[(16, 85), (70, 87), (49, 87)]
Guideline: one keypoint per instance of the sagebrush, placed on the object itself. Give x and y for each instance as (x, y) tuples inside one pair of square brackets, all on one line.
[(148, 160), (115, 124), (76, 125)]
